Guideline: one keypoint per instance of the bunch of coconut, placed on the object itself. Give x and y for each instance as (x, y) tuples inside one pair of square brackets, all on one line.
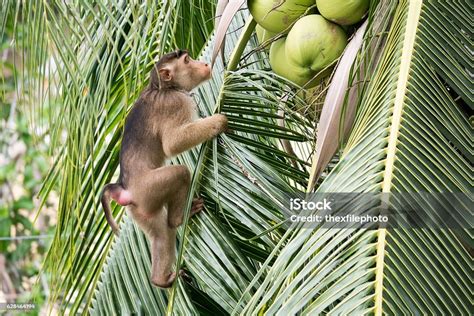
[(313, 42)]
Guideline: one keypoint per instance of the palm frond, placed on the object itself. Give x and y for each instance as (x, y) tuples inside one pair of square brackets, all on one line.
[(245, 178), (101, 54), (409, 135)]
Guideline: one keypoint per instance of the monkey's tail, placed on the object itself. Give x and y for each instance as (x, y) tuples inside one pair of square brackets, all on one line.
[(105, 200)]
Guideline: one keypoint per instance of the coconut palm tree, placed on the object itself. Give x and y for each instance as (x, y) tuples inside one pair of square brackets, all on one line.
[(411, 133)]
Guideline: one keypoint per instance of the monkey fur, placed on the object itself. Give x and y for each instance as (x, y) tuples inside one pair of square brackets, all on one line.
[(161, 125)]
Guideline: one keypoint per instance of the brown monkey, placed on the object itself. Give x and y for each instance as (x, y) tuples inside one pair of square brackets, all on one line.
[(161, 125)]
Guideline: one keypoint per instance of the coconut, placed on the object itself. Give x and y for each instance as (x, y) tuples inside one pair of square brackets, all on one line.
[(280, 66), (314, 43), (263, 35), (276, 15), (343, 12)]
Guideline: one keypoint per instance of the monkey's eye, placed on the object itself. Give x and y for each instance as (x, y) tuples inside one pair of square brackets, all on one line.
[(186, 59)]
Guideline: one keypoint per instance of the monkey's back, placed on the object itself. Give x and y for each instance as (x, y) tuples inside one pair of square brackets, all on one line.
[(140, 149)]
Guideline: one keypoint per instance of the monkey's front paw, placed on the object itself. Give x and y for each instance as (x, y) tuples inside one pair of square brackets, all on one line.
[(220, 124)]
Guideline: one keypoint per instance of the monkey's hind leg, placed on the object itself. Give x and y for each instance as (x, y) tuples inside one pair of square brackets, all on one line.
[(176, 210), (167, 188), (163, 245), (197, 206), (163, 254)]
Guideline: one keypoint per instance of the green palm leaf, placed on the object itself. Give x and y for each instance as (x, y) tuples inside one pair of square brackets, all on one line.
[(409, 136), (411, 133), (245, 178), (100, 62), (102, 52)]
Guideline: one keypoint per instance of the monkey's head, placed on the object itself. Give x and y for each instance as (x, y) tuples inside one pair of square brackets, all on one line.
[(177, 70)]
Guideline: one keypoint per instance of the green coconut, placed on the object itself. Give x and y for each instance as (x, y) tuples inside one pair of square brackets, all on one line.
[(314, 43), (263, 35), (279, 62), (343, 12), (276, 15)]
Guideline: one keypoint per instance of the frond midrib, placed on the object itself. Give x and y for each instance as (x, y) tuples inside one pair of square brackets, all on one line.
[(413, 17)]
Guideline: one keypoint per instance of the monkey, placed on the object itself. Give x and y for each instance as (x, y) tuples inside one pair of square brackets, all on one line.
[(161, 124)]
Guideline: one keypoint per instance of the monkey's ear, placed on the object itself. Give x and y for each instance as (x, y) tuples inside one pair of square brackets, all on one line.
[(165, 74)]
